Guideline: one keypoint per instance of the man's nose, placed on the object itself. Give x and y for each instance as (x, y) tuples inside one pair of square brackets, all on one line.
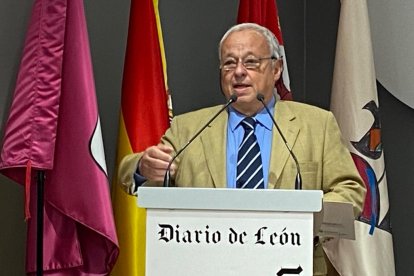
[(240, 69)]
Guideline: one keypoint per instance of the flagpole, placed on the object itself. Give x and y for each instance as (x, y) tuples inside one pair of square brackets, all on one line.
[(39, 234)]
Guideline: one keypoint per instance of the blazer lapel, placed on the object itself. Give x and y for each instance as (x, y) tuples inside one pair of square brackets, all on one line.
[(285, 119), (214, 141)]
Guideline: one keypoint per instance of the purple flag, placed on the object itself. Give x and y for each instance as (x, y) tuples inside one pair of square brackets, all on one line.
[(54, 126)]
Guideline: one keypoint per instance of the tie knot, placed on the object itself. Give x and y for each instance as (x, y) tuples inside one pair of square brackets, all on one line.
[(249, 123)]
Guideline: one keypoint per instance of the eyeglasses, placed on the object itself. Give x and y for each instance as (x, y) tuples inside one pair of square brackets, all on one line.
[(250, 63)]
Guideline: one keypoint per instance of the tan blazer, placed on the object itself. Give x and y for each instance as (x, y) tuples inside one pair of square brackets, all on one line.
[(311, 132)]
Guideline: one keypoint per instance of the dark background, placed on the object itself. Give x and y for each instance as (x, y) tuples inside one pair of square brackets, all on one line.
[(192, 29)]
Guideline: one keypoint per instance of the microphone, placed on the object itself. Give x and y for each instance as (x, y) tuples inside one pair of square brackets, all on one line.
[(167, 176), (298, 179)]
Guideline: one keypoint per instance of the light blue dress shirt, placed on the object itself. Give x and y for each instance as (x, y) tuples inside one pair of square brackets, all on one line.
[(235, 134)]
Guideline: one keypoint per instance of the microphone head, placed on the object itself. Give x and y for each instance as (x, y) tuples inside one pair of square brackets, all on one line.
[(233, 98), (260, 97)]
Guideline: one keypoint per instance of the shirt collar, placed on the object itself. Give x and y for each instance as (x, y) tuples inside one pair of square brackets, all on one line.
[(262, 117)]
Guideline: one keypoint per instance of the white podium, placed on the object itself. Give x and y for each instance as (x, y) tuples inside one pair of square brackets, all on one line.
[(222, 232)]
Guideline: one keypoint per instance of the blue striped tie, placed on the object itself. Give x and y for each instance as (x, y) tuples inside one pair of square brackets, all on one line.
[(249, 160)]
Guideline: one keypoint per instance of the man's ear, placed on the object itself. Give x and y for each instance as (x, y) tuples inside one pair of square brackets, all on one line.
[(278, 69), (221, 86)]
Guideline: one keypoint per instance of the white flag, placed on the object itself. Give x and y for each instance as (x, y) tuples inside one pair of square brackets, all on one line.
[(355, 105)]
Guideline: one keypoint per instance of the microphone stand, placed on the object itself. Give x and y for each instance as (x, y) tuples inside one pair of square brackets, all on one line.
[(39, 224), (298, 179)]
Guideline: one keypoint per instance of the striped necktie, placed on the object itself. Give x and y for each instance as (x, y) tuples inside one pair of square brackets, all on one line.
[(249, 160)]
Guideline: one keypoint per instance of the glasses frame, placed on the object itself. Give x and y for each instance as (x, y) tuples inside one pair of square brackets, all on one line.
[(252, 67)]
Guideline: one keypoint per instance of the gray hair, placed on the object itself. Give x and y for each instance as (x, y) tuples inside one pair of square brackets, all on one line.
[(266, 33)]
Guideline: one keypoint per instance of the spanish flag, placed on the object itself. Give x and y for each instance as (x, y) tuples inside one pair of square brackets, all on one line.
[(144, 118)]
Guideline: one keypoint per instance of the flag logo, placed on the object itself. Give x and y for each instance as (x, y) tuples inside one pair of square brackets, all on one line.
[(370, 147), (96, 147)]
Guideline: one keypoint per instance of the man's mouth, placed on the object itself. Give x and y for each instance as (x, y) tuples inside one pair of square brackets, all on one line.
[(240, 86)]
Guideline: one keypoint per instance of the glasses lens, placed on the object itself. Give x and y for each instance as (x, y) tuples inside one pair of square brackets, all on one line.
[(229, 64), (250, 63)]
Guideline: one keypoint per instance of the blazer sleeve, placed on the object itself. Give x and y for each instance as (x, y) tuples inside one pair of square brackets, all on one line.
[(129, 164), (341, 180)]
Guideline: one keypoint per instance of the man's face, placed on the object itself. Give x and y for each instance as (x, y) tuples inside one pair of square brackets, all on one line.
[(244, 46)]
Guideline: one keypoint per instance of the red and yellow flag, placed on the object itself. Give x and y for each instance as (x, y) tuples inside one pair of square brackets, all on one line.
[(144, 118)]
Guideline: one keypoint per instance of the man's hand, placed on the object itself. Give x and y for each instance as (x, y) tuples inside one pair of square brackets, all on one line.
[(154, 162)]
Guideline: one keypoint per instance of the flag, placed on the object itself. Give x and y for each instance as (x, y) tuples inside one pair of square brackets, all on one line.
[(54, 126), (354, 102), (143, 120), (265, 13)]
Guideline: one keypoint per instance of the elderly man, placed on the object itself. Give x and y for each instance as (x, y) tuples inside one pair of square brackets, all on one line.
[(241, 148)]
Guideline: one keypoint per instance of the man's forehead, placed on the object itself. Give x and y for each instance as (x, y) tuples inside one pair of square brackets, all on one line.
[(246, 42), (245, 34)]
